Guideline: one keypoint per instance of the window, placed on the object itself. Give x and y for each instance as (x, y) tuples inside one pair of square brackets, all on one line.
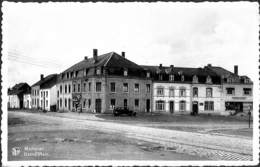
[(46, 93), (89, 86), (136, 103), (46, 103), (58, 94), (84, 103), (160, 92), (78, 87), (171, 78), (77, 73), (246, 80), (195, 92), (125, 102), (112, 103), (195, 79), (208, 92), (89, 103), (69, 88), (74, 87), (136, 89), (148, 74), (208, 79), (65, 88), (60, 102), (65, 102), (125, 72), (160, 105), (113, 87), (125, 87), (182, 92), (41, 94), (171, 92), (247, 91), (230, 91), (61, 89), (209, 106), (182, 78), (71, 74), (182, 106), (229, 80), (68, 76), (98, 86), (84, 87), (148, 88)]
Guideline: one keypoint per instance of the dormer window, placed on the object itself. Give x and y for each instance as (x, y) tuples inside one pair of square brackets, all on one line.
[(171, 77), (195, 79), (68, 75), (208, 80), (125, 72), (71, 74), (147, 74), (246, 80), (182, 78), (98, 71), (160, 77), (77, 72)]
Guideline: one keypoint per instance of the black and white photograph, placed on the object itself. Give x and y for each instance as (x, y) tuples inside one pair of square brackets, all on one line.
[(130, 83)]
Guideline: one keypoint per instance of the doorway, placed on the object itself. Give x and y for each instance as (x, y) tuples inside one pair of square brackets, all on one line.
[(98, 105), (171, 106), (125, 103), (148, 105), (195, 107)]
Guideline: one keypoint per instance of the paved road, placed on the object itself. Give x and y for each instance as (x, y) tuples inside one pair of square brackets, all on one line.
[(205, 145)]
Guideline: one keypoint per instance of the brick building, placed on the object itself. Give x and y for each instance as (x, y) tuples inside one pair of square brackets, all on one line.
[(99, 83)]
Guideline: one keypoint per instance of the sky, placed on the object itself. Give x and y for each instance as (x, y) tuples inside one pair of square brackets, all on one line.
[(46, 38)]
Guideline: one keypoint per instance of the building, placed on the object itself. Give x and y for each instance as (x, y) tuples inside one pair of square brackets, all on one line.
[(183, 90), (237, 91), (15, 95), (100, 83), (27, 100), (44, 93)]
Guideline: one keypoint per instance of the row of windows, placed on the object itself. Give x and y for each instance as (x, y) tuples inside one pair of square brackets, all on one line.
[(99, 87), (46, 103), (35, 92), (182, 92), (195, 79), (44, 93), (246, 91), (160, 105)]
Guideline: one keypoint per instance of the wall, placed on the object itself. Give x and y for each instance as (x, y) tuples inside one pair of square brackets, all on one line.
[(13, 101), (176, 98), (27, 100), (35, 97)]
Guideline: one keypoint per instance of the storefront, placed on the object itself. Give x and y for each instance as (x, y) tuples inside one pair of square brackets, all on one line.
[(239, 106)]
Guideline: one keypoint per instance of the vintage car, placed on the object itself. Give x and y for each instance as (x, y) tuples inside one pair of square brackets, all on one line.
[(123, 111)]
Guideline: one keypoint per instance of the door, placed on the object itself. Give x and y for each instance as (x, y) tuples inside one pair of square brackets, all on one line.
[(125, 103), (171, 106), (195, 107), (148, 105), (98, 105)]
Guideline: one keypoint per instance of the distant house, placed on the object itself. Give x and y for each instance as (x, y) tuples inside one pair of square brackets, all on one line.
[(27, 100), (43, 93), (16, 95)]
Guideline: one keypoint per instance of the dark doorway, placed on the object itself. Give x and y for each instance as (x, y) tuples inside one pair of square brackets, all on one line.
[(171, 106), (125, 103), (98, 105), (195, 108), (148, 105)]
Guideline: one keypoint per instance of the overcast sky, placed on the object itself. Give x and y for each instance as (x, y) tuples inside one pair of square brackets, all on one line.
[(50, 37)]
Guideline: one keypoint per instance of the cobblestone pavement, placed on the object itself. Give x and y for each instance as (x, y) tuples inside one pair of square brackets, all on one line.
[(205, 145)]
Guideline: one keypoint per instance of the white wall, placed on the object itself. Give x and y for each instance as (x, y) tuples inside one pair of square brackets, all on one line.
[(13, 101), (176, 97), (27, 101)]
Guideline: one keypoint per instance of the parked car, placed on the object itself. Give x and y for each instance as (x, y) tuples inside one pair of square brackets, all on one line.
[(123, 111)]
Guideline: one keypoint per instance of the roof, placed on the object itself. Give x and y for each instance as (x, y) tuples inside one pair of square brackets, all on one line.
[(110, 59), (47, 82), (19, 89), (220, 71)]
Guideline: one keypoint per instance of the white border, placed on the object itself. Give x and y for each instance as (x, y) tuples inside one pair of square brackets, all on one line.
[(4, 124)]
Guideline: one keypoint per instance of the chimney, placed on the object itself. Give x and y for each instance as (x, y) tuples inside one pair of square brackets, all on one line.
[(209, 65), (160, 65), (123, 54), (95, 54), (86, 58), (236, 69), (171, 66), (42, 76)]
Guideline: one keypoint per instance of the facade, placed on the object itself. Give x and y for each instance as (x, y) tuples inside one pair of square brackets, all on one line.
[(103, 82), (16, 95), (27, 100), (237, 91), (44, 93)]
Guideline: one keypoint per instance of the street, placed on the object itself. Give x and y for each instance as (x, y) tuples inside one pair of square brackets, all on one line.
[(90, 137)]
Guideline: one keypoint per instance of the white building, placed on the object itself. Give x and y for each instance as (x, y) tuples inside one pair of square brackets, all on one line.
[(16, 95), (27, 100)]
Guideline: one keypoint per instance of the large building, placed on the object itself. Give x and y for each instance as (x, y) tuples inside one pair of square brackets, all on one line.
[(16, 95), (102, 82), (43, 93)]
